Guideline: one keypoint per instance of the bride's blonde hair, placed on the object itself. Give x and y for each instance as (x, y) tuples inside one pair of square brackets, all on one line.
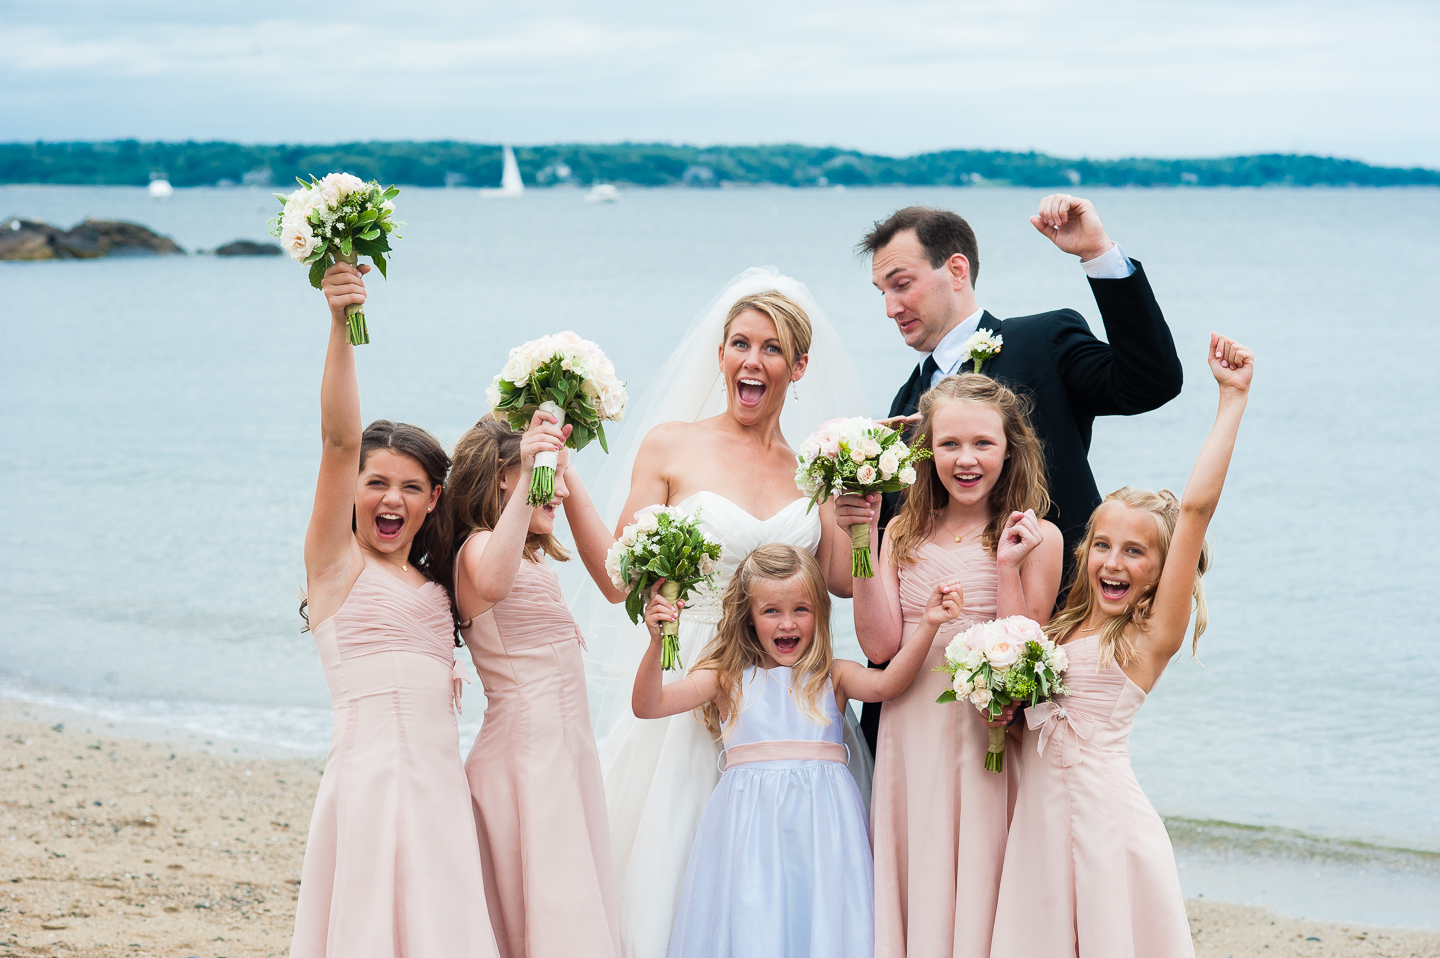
[(736, 647), (1117, 643), (792, 326)]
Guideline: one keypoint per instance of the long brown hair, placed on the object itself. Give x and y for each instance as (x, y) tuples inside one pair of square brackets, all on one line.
[(1116, 643), (736, 647), (430, 549), (1021, 484), (487, 451)]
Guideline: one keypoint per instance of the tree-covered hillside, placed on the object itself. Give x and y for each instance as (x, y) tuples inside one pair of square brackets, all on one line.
[(129, 162)]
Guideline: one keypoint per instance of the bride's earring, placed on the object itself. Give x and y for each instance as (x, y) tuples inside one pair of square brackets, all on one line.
[(795, 390)]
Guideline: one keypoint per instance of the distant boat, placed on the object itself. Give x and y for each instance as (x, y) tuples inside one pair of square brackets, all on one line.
[(602, 193), (510, 183), (160, 188)]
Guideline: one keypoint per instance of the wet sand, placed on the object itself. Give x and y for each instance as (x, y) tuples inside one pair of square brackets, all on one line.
[(175, 845)]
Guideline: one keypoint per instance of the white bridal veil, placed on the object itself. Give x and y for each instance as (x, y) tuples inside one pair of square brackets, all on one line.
[(689, 387)]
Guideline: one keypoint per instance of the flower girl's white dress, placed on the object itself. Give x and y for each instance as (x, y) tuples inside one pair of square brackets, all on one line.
[(781, 862)]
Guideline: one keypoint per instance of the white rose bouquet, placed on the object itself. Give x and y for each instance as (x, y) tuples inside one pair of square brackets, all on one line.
[(663, 543), (994, 664), (571, 379), (337, 220), (856, 455)]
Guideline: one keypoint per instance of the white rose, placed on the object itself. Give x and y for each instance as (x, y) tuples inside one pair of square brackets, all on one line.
[(1059, 661), (900, 449), (856, 455), (870, 447), (298, 238), (980, 698), (865, 475), (708, 565), (492, 395), (907, 475), (1023, 629), (957, 650), (889, 463), (1002, 652), (647, 523), (962, 685)]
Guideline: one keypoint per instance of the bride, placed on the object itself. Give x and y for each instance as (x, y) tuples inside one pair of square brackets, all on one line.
[(711, 441)]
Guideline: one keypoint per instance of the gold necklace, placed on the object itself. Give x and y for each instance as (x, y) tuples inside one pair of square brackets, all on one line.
[(966, 532)]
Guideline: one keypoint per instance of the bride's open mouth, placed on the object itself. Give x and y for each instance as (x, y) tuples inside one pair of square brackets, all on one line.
[(1113, 589), (787, 644), (750, 391), (388, 525)]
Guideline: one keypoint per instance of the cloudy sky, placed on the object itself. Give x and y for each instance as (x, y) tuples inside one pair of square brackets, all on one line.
[(1100, 79)]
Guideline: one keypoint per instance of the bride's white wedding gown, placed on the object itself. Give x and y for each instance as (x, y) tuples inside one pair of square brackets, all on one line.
[(659, 773)]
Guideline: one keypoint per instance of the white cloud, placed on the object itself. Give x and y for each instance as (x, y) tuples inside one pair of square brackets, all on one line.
[(1101, 79)]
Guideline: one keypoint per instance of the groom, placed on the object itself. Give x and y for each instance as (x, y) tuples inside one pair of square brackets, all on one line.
[(925, 261)]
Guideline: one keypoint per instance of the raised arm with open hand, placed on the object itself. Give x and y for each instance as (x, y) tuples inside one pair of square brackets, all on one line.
[(1233, 366)]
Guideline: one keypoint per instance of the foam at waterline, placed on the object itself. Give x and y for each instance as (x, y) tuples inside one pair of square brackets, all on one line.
[(1305, 876)]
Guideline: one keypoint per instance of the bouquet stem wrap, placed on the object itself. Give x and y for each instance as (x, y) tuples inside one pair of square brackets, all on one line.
[(356, 332), (995, 754), (670, 631), (542, 478), (860, 551)]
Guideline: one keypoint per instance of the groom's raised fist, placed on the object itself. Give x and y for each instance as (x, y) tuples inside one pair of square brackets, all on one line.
[(1072, 224)]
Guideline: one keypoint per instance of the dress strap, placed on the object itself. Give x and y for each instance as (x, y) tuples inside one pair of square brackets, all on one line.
[(785, 750)]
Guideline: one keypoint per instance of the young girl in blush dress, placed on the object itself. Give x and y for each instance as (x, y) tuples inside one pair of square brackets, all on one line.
[(1089, 870), (939, 818), (780, 864), (391, 867), (534, 770)]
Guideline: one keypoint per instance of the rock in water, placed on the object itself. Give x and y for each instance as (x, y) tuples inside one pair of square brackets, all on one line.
[(32, 240), (247, 248)]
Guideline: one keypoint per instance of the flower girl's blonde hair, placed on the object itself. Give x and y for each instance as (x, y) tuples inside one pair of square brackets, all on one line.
[(736, 647), (1117, 643)]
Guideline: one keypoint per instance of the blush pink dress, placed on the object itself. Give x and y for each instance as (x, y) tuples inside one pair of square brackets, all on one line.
[(1089, 870), (938, 818), (390, 864), (535, 779)]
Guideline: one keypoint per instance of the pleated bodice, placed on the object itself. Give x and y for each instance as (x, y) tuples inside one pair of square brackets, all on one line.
[(532, 615), (971, 564)]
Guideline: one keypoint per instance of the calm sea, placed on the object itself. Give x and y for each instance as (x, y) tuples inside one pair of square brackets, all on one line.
[(160, 419)]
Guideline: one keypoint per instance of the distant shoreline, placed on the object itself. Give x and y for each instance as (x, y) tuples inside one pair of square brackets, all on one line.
[(452, 163)]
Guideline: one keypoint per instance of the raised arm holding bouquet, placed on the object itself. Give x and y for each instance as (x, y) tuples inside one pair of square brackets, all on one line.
[(859, 456), (667, 545), (337, 219), (571, 379)]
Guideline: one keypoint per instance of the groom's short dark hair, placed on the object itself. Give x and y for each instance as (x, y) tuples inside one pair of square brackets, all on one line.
[(942, 233)]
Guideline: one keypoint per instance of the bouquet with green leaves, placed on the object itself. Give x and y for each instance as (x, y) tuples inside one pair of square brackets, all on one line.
[(663, 543), (856, 455), (337, 219), (571, 379)]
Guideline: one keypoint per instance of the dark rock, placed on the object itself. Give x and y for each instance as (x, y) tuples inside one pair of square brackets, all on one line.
[(247, 248), (31, 240)]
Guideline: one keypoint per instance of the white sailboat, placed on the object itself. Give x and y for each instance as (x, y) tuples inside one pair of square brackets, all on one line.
[(160, 188), (510, 183)]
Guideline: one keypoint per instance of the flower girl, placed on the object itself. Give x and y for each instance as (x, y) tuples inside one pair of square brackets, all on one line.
[(1089, 870), (939, 816), (534, 771), (781, 863)]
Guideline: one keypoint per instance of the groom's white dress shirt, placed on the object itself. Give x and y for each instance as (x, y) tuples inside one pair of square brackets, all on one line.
[(1113, 264)]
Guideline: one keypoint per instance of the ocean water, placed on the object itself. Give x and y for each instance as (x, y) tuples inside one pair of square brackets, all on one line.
[(160, 417)]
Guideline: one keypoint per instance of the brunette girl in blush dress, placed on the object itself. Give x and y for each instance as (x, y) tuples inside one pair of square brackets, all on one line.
[(1089, 871), (534, 771), (938, 817), (391, 867)]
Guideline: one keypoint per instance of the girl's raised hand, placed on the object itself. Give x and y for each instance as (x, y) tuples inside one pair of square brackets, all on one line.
[(1021, 535), (945, 603), (1231, 363), (542, 436), (343, 286), (660, 611)]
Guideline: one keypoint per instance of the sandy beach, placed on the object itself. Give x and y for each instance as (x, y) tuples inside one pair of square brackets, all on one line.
[(176, 845)]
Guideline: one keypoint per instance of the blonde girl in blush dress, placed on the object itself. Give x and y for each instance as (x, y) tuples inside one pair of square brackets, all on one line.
[(938, 817), (780, 864), (1089, 871), (391, 867), (534, 770)]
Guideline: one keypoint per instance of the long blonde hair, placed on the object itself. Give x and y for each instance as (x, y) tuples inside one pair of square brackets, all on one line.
[(1116, 642), (792, 325), (736, 647), (1021, 484)]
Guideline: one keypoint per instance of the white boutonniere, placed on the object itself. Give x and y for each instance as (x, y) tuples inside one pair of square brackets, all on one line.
[(982, 346)]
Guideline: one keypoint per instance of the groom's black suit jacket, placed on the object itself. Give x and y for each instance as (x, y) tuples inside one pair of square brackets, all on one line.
[(1071, 377)]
